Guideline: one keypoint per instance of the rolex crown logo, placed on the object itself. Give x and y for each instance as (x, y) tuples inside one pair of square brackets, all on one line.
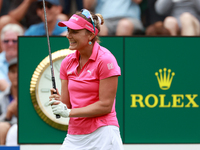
[(164, 80)]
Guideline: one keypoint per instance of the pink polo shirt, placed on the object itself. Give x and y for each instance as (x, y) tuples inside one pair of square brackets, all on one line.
[(84, 87)]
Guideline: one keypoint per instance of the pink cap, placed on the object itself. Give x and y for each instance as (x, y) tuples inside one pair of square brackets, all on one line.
[(76, 23)]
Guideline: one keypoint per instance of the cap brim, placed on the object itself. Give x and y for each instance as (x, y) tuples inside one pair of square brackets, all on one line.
[(70, 25)]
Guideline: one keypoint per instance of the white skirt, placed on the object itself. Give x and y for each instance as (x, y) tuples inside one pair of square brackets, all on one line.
[(104, 138)]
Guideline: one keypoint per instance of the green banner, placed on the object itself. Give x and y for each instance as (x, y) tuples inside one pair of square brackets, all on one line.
[(162, 90)]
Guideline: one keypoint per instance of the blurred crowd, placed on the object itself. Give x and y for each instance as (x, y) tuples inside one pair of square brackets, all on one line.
[(122, 18)]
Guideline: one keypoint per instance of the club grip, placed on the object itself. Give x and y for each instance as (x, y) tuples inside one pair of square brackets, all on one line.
[(57, 116)]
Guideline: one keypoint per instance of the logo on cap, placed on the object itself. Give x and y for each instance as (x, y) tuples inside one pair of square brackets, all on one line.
[(74, 18)]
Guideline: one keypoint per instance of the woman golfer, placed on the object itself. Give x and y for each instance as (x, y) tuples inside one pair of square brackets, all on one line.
[(89, 79)]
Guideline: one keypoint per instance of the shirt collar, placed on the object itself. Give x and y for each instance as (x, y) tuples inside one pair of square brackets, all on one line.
[(94, 53)]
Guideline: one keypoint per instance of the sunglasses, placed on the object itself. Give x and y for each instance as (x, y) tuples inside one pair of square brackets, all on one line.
[(88, 15), (47, 5), (7, 41)]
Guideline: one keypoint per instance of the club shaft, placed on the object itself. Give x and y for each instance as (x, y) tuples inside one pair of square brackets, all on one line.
[(50, 56), (49, 47)]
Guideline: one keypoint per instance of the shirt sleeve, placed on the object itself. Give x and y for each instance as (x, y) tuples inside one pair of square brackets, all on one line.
[(63, 68), (108, 67), (63, 71)]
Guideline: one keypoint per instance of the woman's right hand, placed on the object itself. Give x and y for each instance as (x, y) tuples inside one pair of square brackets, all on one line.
[(54, 96)]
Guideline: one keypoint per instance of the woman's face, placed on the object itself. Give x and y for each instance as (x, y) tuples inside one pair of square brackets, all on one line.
[(78, 39)]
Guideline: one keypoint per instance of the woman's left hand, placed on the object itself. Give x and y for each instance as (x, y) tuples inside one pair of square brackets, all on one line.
[(59, 108)]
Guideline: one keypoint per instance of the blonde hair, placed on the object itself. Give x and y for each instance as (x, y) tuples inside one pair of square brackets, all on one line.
[(12, 27), (98, 20)]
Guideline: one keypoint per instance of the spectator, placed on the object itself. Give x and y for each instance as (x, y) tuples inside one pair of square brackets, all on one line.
[(183, 16), (23, 12), (9, 35), (18, 12), (53, 9), (8, 102), (124, 19)]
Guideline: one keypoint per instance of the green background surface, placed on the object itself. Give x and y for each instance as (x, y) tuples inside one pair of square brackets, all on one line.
[(144, 57), (139, 59)]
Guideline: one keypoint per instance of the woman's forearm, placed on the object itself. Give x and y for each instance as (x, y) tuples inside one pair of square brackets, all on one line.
[(94, 110)]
